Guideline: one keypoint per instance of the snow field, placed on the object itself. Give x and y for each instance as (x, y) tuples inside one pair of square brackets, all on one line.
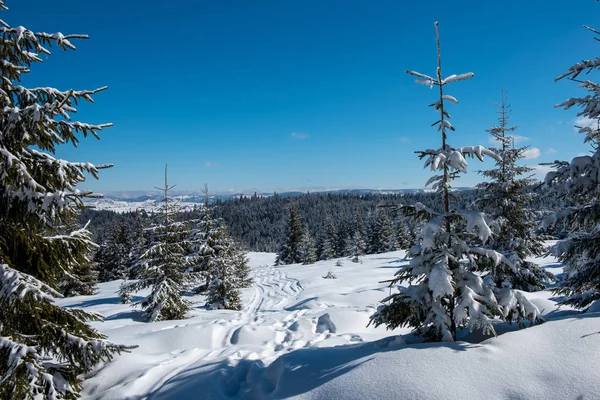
[(302, 336)]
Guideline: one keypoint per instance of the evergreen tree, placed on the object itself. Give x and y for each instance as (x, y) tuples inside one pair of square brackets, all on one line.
[(359, 246), (290, 252), (115, 258), (381, 237), (327, 240), (162, 267), (45, 350), (220, 262), (81, 281), (579, 182), (138, 243), (446, 291), (307, 249), (506, 202), (229, 272), (343, 240), (403, 235)]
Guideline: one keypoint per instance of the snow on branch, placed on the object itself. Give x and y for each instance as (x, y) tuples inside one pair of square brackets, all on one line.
[(456, 78)]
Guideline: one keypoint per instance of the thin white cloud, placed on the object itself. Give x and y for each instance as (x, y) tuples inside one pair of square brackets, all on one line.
[(211, 164), (551, 151), (532, 153), (404, 139), (300, 135)]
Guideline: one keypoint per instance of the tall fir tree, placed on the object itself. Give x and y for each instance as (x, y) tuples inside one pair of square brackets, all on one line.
[(162, 267), (359, 246), (446, 291), (403, 235), (327, 240), (307, 248), (381, 238), (45, 350), (220, 262), (290, 252), (114, 257), (139, 242), (506, 201), (578, 182)]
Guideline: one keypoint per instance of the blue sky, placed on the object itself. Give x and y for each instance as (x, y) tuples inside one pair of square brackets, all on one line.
[(277, 95)]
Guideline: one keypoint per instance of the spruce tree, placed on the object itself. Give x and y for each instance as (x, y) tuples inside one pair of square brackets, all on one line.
[(446, 291), (45, 350), (403, 235), (228, 274), (359, 246), (578, 182), (327, 240), (307, 249), (115, 258), (162, 267), (381, 238), (138, 241), (219, 262), (506, 201), (290, 251)]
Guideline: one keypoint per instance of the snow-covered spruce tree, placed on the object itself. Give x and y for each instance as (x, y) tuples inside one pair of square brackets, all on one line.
[(138, 242), (44, 349), (290, 251), (403, 235), (308, 253), (82, 279), (220, 262), (358, 247), (381, 238), (327, 240), (505, 200), (114, 257), (162, 267), (579, 182), (446, 291)]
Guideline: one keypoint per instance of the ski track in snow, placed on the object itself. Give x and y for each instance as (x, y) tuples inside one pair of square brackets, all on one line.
[(273, 289)]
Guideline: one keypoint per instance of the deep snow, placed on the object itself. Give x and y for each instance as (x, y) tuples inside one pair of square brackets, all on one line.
[(302, 336)]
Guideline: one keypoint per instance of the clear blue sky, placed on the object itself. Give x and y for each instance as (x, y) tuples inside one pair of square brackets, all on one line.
[(276, 95)]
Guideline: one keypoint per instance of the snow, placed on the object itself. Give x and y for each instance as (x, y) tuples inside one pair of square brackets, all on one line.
[(301, 336), (121, 206)]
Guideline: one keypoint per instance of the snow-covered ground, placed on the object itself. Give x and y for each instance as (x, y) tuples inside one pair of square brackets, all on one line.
[(305, 337), (122, 206)]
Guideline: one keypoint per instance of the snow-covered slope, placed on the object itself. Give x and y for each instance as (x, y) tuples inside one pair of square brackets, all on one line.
[(302, 336)]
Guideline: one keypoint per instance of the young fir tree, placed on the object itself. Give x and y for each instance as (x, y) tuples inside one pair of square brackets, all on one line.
[(381, 238), (579, 182), (446, 291), (45, 350), (228, 273), (403, 235), (290, 252), (82, 279), (114, 257), (162, 267), (343, 240), (358, 247), (138, 242), (505, 200), (327, 240), (308, 253), (220, 262)]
